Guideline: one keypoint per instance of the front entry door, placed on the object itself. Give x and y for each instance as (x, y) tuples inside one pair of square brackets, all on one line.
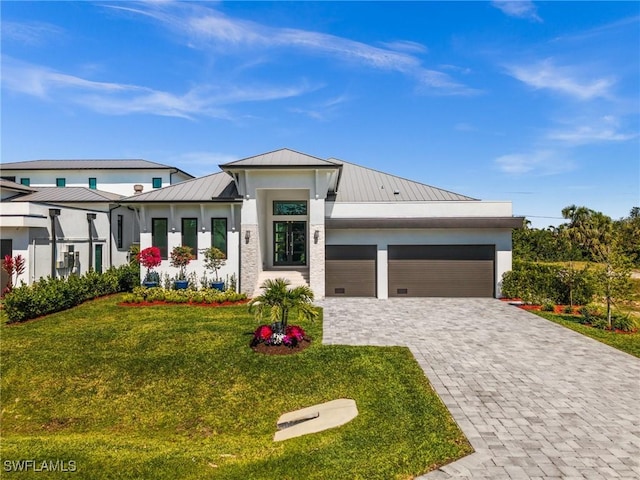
[(289, 243)]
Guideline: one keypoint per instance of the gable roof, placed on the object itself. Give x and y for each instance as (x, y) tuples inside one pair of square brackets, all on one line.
[(217, 186), (280, 158), (68, 194), (117, 164), (18, 187), (362, 184)]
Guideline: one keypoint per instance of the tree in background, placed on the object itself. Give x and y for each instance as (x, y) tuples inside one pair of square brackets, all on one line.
[(596, 233)]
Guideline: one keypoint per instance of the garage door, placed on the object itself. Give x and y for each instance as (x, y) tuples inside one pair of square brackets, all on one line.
[(350, 270), (441, 270)]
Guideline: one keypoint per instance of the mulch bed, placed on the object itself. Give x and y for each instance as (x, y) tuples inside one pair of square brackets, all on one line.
[(191, 304), (281, 349)]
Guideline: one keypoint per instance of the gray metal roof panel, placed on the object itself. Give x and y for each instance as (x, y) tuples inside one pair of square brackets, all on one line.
[(15, 186), (217, 186), (280, 158), (114, 164), (362, 184), (68, 194)]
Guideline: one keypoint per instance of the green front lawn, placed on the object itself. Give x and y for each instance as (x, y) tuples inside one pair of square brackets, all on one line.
[(627, 342), (175, 392)]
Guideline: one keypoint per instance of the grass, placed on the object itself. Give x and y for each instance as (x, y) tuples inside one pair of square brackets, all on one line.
[(175, 392), (627, 342)]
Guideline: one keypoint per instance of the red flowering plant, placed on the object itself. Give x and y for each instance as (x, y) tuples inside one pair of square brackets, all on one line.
[(12, 265), (271, 336), (150, 258)]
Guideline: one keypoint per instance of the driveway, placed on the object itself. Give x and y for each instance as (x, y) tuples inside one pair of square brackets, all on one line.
[(536, 400)]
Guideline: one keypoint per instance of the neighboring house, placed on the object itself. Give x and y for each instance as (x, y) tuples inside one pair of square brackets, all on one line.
[(345, 229), (78, 199), (115, 176)]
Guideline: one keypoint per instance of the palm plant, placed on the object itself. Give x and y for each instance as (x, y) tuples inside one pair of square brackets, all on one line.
[(278, 300)]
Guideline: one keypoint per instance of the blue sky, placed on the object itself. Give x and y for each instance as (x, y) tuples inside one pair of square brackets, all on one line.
[(534, 102)]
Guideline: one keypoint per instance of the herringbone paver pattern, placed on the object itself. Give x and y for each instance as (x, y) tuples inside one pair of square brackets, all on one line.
[(536, 400)]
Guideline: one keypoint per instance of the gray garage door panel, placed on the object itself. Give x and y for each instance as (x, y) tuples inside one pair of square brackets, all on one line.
[(350, 270), (350, 278), (441, 270)]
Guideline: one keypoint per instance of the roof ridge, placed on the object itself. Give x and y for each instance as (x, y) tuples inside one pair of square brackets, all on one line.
[(229, 164)]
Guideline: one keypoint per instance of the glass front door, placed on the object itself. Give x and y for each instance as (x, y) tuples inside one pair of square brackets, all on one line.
[(289, 243)]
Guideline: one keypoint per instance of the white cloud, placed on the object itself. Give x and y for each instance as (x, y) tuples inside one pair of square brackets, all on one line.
[(538, 163), (122, 99), (586, 131), (208, 29), (30, 33), (518, 8), (566, 80)]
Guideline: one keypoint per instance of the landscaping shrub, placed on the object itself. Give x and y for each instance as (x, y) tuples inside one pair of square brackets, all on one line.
[(624, 322), (548, 307), (49, 295), (537, 283), (205, 296)]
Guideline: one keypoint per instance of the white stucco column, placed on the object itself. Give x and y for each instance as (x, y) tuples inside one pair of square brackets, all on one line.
[(383, 272)]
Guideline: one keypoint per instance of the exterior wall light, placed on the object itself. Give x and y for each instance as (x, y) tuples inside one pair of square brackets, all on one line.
[(247, 236), (316, 236)]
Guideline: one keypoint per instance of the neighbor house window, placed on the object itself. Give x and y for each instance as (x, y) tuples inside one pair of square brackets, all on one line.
[(159, 236), (25, 181), (61, 182), (219, 233), (190, 234), (93, 183), (11, 179), (290, 207), (120, 226), (157, 182)]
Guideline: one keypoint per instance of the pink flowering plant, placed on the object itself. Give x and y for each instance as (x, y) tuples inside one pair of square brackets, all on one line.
[(150, 258), (276, 302)]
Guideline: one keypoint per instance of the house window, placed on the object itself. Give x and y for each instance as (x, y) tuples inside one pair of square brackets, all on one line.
[(157, 182), (190, 234), (119, 231), (25, 181), (219, 233), (61, 182), (11, 179), (93, 183), (159, 236), (290, 207)]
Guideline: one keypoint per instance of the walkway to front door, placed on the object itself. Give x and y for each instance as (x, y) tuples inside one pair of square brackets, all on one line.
[(289, 243), (535, 399)]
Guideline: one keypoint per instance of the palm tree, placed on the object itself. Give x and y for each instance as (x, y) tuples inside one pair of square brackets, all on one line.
[(278, 299)]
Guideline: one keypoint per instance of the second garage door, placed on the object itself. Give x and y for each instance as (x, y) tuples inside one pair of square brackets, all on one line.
[(441, 270), (350, 270)]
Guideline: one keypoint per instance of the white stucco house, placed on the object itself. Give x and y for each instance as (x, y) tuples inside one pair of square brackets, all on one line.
[(78, 200), (344, 229)]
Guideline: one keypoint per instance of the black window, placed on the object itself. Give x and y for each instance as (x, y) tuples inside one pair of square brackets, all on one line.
[(25, 181), (190, 234), (11, 179), (297, 207), (61, 182), (157, 182), (219, 233), (159, 236), (119, 231)]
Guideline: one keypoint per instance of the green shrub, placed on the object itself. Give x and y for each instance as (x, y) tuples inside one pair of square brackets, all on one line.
[(568, 309), (49, 295), (207, 295), (539, 283), (623, 322), (548, 307)]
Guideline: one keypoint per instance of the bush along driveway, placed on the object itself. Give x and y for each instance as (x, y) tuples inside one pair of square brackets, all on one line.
[(536, 400)]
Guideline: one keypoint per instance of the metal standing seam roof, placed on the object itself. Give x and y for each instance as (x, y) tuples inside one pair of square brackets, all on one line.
[(217, 186), (362, 184), (18, 187), (68, 194), (281, 158), (117, 164)]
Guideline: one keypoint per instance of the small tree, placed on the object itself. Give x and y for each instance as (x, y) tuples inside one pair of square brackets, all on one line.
[(214, 259), (150, 258), (278, 299), (181, 256), (13, 265)]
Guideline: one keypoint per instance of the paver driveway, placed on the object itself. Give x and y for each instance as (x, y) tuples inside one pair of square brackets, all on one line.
[(535, 399)]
